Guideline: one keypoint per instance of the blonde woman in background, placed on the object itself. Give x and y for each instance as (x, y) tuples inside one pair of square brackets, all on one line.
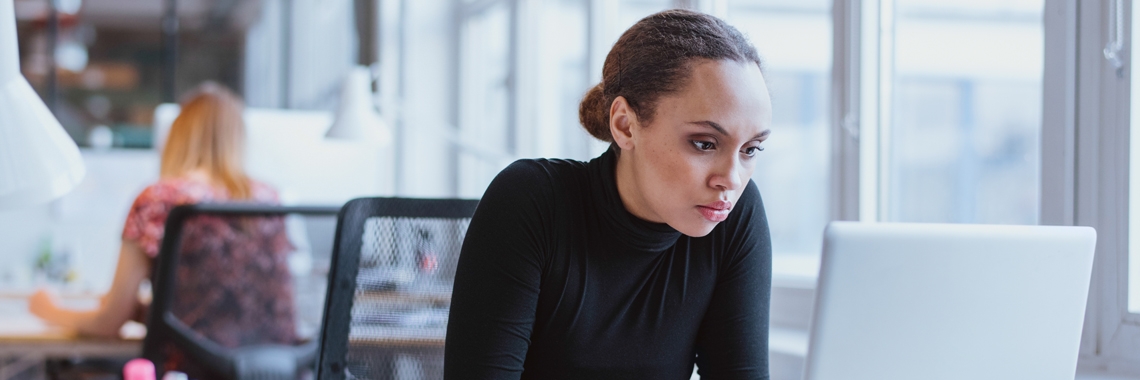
[(201, 163)]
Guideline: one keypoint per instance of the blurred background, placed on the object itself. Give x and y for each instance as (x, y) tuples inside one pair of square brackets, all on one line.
[(468, 86)]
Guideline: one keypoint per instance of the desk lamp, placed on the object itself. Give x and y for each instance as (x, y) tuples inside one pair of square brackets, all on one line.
[(38, 160), (356, 118)]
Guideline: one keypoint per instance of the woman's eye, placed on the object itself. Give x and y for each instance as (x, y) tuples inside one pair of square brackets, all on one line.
[(703, 145), (752, 150)]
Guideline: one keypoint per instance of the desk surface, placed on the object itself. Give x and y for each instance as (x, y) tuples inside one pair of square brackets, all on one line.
[(397, 336), (23, 334)]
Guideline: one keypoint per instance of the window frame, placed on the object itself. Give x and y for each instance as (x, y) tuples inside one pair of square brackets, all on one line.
[(1085, 154), (860, 119), (1084, 148), (467, 51)]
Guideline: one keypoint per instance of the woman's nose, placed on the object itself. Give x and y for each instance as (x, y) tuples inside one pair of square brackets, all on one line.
[(726, 176)]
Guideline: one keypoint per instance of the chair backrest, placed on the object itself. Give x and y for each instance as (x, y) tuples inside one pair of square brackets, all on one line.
[(390, 287), (237, 288)]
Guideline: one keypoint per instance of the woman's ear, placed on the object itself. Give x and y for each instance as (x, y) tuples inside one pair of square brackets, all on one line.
[(622, 121)]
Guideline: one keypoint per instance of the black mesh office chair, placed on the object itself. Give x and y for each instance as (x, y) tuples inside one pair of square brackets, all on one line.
[(390, 287), (235, 288)]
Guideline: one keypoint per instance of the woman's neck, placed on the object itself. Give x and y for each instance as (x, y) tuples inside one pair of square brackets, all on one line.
[(628, 190), (199, 174)]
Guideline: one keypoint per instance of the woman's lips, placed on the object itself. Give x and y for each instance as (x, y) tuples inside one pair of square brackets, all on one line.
[(716, 211)]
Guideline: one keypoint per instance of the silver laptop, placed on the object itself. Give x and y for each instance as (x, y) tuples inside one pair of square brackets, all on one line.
[(943, 301)]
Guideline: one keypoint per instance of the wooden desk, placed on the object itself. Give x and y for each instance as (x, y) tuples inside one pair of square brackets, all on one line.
[(26, 341), (396, 337), (387, 352), (387, 346)]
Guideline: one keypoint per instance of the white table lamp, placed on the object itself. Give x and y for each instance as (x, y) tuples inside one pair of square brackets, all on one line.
[(356, 118), (38, 160)]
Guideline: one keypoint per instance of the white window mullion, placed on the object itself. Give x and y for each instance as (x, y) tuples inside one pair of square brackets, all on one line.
[(602, 20), (1058, 134), (1059, 114), (524, 42), (846, 114), (603, 32), (876, 70), (861, 81), (1134, 179), (389, 92)]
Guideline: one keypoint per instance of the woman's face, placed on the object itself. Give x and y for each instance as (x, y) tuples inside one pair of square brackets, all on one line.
[(690, 164)]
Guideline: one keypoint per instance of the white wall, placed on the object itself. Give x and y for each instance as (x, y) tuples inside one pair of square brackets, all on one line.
[(286, 149), (88, 222)]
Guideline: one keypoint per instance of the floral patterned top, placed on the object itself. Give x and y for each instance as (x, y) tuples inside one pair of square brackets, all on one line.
[(147, 217), (233, 285)]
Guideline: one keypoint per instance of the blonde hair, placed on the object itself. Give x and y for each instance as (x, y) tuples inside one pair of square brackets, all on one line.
[(209, 134)]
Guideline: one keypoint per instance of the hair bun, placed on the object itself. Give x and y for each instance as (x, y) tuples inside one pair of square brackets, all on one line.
[(593, 113)]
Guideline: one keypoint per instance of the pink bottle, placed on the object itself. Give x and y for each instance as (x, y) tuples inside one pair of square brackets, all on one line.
[(138, 369)]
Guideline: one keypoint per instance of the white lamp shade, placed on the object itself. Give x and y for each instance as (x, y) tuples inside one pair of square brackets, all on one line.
[(38, 160), (356, 118)]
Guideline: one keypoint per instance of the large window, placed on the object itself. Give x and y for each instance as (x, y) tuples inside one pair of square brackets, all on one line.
[(633, 10), (486, 74), (561, 79), (794, 42), (964, 137)]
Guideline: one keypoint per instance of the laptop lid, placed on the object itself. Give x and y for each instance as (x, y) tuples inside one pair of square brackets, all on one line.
[(950, 301)]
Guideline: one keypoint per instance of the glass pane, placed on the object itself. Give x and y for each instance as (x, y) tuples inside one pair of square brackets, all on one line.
[(1134, 179), (485, 106), (965, 137), (794, 41), (633, 10), (562, 74)]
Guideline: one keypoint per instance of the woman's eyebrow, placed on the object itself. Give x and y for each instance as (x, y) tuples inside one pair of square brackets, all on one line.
[(762, 135), (712, 125)]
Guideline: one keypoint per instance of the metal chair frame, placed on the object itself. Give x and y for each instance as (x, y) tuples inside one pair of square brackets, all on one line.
[(345, 265), (163, 326)]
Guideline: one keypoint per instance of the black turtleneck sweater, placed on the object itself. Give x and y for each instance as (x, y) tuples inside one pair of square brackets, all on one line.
[(557, 280)]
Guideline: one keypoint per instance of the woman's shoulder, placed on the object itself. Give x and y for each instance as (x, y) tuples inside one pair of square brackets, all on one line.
[(746, 219), (542, 176), (542, 171), (188, 190), (174, 190), (750, 197), (749, 210), (263, 192), (537, 182)]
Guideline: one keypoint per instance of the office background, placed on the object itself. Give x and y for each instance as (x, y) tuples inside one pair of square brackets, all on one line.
[(963, 111)]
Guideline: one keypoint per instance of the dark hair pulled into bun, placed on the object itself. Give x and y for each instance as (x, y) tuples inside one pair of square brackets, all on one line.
[(653, 58), (594, 113)]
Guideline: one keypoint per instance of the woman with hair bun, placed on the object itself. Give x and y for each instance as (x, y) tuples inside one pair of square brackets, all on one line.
[(646, 260)]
